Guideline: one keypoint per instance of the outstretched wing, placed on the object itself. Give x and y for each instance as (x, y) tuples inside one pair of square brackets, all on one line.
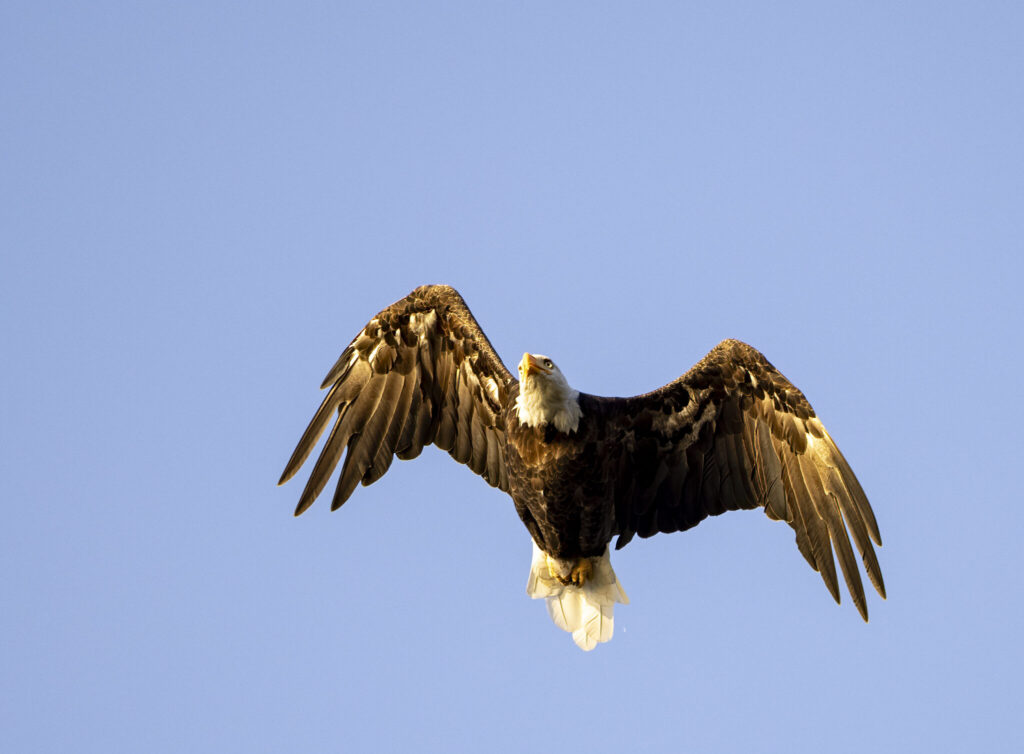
[(734, 433), (420, 372)]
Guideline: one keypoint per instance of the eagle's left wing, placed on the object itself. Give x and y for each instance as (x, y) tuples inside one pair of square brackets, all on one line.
[(733, 433)]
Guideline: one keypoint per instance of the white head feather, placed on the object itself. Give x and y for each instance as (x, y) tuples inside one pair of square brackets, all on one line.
[(544, 395)]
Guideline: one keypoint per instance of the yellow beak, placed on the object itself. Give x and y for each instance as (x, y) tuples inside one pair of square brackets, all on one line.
[(530, 365)]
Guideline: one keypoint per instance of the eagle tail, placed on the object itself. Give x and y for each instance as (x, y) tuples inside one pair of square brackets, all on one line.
[(587, 611)]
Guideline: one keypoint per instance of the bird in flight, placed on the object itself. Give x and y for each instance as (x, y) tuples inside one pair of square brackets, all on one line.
[(732, 433)]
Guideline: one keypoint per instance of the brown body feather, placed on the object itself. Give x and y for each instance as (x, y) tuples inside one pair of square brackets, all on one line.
[(732, 433)]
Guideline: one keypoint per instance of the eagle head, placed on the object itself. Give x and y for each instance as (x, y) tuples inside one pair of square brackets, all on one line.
[(545, 396)]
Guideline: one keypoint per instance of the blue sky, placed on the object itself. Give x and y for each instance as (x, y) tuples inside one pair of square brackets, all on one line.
[(200, 204)]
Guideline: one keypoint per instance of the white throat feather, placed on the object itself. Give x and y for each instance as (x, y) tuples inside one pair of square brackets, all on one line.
[(548, 403)]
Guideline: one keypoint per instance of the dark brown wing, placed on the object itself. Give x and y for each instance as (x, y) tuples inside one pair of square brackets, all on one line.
[(734, 433), (420, 372)]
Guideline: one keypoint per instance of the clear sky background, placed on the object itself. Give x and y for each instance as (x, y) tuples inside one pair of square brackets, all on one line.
[(201, 203)]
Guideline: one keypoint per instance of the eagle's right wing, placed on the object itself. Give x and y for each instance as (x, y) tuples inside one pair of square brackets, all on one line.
[(420, 372)]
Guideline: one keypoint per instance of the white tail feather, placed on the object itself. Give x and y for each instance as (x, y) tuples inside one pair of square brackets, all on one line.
[(586, 612)]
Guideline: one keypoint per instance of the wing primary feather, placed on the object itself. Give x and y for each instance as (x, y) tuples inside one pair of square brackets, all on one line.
[(856, 493), (828, 510), (339, 394), (367, 436), (349, 422), (341, 367), (310, 437), (860, 537), (324, 466), (386, 451), (817, 531), (834, 483)]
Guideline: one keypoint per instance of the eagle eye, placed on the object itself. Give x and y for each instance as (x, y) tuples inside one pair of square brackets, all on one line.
[(548, 364)]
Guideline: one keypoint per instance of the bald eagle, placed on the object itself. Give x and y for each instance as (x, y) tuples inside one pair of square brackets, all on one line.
[(732, 433)]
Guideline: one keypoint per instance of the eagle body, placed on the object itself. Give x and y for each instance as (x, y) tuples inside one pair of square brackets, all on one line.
[(731, 433), (560, 488)]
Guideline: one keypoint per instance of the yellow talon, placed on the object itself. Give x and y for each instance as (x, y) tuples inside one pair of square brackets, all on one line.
[(578, 574), (555, 569), (583, 571)]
